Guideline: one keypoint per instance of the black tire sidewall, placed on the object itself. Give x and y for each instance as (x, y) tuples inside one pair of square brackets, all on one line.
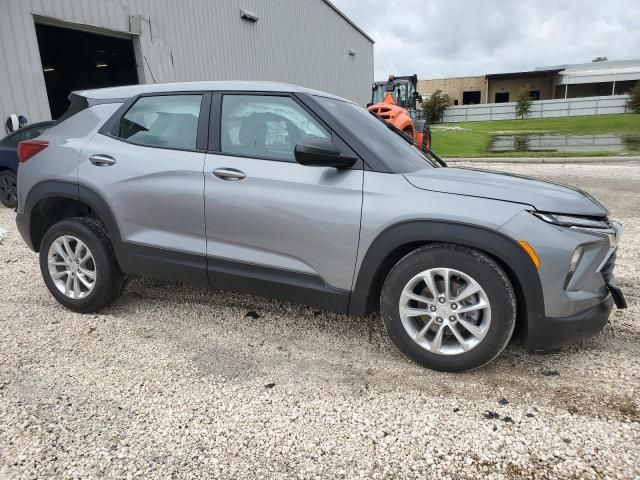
[(101, 258), (488, 274), (9, 173)]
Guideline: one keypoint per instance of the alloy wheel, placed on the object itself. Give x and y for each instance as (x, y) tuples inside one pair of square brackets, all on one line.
[(445, 311), (72, 267), (8, 189)]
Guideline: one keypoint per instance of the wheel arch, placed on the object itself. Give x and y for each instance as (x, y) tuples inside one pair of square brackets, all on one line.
[(53, 200), (400, 239)]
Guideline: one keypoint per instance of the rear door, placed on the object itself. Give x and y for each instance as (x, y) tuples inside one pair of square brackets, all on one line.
[(273, 224), (148, 166)]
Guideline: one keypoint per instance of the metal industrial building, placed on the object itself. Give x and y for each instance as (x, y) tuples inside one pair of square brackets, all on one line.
[(48, 48), (594, 79)]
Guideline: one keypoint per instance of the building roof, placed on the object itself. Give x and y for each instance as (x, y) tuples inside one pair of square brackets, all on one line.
[(595, 65), (351, 22), (529, 74), (113, 93), (599, 75)]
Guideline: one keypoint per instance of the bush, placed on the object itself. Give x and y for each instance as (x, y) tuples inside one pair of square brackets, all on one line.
[(633, 104), (435, 106), (523, 105)]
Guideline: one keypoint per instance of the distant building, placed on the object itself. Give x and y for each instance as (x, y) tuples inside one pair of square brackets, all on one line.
[(547, 83)]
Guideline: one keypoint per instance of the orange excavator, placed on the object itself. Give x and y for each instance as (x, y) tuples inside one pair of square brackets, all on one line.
[(394, 101)]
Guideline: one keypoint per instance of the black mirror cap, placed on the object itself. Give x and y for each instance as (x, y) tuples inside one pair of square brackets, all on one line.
[(320, 152)]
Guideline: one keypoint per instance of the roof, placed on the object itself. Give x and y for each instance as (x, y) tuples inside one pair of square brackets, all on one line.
[(351, 22), (595, 65), (599, 75), (240, 86), (529, 74)]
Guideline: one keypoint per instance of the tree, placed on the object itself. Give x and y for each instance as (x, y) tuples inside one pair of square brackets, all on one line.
[(600, 59), (633, 104), (434, 106), (524, 103)]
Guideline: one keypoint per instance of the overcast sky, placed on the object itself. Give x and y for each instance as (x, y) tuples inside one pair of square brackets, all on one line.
[(446, 38)]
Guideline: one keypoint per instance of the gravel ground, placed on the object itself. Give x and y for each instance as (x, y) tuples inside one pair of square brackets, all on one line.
[(182, 382)]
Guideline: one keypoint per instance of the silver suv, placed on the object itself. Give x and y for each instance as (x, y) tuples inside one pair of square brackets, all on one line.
[(299, 195)]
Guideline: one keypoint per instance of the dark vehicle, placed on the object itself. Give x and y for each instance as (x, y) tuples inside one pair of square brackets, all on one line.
[(9, 160)]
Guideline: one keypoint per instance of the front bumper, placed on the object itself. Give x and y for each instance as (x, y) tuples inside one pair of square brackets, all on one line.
[(548, 333)]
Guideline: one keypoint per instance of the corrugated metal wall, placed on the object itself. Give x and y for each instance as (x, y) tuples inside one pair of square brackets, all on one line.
[(304, 42)]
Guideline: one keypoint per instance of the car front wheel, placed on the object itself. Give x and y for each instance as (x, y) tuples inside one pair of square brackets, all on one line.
[(448, 308), (8, 189)]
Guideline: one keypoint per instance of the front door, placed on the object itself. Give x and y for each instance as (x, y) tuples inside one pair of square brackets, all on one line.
[(275, 227)]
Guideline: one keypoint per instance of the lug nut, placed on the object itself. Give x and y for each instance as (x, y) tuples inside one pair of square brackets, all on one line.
[(432, 308), (452, 318), (438, 320), (441, 299), (454, 306)]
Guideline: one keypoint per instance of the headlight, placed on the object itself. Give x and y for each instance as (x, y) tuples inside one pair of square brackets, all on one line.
[(573, 266), (572, 221)]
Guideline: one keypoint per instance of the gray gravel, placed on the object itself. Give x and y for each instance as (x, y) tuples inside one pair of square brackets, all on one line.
[(178, 381)]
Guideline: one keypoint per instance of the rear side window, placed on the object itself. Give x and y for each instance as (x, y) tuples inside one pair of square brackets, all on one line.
[(169, 121), (265, 126)]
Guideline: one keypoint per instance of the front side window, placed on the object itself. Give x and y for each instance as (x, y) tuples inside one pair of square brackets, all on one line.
[(389, 145), (265, 126), (169, 121)]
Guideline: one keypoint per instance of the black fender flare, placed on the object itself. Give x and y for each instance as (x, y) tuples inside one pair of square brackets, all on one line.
[(73, 191), (396, 238)]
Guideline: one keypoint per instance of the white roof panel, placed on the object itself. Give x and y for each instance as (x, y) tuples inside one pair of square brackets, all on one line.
[(600, 75)]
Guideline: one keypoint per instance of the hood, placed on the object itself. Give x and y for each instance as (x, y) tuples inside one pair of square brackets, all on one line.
[(540, 194)]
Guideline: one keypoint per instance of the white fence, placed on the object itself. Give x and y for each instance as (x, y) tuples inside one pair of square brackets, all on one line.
[(540, 109)]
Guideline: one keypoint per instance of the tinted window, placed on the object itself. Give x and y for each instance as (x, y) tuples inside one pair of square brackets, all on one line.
[(265, 126), (396, 152), (27, 134), (165, 121)]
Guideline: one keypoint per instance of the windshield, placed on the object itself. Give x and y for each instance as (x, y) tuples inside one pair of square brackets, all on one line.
[(392, 148)]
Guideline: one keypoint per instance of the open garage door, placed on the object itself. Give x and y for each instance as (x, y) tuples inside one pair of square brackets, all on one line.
[(77, 60)]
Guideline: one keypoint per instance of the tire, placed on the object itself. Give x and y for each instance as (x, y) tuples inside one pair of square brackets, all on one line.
[(416, 333), (8, 189), (107, 283)]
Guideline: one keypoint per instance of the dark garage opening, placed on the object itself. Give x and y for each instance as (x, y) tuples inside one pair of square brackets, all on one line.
[(77, 60), (471, 98)]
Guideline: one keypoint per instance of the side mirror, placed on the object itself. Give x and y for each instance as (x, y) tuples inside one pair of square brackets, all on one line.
[(320, 152)]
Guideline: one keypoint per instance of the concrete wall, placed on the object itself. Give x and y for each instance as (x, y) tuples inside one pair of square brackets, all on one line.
[(540, 109), (546, 86), (454, 87), (305, 42)]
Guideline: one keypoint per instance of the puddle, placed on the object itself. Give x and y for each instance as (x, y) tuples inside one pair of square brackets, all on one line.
[(564, 143)]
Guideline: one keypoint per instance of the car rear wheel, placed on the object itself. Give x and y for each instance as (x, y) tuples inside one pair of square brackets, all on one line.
[(8, 189), (448, 308), (78, 265)]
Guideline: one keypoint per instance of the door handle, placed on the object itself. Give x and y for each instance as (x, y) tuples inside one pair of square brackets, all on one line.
[(102, 160), (229, 174)]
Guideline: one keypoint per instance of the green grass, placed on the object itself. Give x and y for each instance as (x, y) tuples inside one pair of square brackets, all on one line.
[(474, 140)]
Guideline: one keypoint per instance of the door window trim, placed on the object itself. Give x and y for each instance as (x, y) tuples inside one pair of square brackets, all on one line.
[(111, 126), (215, 125)]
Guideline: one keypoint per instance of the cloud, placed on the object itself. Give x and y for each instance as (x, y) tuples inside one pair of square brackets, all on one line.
[(447, 38)]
